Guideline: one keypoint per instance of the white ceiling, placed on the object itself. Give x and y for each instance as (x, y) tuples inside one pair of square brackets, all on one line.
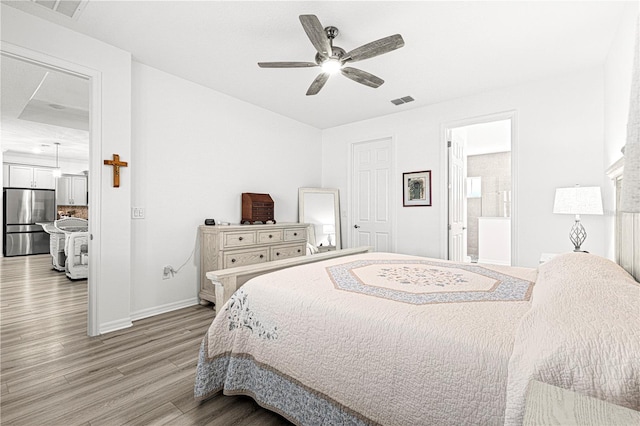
[(487, 138), (452, 48), (40, 107)]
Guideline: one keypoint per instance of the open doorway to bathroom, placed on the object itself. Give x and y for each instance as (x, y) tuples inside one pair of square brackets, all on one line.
[(481, 191)]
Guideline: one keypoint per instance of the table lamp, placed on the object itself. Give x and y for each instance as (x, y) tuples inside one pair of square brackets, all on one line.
[(328, 229), (578, 200)]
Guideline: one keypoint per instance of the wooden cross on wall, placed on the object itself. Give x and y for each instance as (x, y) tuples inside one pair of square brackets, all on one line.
[(116, 163)]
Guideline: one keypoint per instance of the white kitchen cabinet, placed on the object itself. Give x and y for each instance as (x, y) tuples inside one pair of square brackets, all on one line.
[(22, 176), (43, 178), (72, 190)]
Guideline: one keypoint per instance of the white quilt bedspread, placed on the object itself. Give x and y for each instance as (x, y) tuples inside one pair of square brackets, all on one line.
[(376, 338), (582, 333)]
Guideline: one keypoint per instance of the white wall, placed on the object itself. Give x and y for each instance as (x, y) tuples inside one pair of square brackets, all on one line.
[(559, 143), (113, 235), (617, 86), (195, 151)]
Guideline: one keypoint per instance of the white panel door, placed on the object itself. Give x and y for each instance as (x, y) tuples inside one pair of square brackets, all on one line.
[(457, 194), (371, 195)]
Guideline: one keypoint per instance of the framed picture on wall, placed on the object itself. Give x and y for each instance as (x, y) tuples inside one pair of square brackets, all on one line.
[(416, 188)]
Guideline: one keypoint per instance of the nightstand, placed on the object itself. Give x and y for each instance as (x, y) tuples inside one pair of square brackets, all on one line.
[(551, 405), (322, 249)]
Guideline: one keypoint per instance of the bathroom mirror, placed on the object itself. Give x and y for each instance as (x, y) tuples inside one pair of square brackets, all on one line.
[(320, 207)]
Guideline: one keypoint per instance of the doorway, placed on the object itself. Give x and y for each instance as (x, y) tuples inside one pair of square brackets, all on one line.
[(481, 190), (67, 72), (371, 192)]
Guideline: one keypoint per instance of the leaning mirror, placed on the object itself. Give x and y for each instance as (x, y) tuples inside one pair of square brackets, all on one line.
[(320, 208)]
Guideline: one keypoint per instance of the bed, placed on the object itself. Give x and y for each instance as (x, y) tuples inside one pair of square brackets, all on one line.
[(391, 339)]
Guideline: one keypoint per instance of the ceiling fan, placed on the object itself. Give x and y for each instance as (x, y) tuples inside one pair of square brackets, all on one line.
[(333, 58)]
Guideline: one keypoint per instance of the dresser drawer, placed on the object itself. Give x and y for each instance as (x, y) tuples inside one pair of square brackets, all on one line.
[(238, 239), (230, 246), (285, 252), (299, 234), (247, 257), (265, 237)]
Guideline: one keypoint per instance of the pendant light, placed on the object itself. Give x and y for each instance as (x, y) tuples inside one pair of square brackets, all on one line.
[(57, 172)]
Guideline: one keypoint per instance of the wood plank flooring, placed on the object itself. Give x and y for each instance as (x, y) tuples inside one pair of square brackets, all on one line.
[(52, 373)]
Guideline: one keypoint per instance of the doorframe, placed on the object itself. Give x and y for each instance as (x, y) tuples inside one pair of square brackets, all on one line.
[(95, 169), (444, 186), (392, 191)]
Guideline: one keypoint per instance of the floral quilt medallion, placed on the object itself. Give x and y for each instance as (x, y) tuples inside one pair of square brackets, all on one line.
[(424, 281)]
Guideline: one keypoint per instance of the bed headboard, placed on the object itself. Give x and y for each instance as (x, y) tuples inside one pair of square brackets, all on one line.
[(627, 230)]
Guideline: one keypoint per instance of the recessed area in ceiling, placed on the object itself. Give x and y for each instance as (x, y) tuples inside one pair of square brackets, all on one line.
[(40, 107), (69, 8)]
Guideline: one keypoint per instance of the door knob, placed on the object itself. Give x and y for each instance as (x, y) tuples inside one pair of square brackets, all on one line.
[(356, 226)]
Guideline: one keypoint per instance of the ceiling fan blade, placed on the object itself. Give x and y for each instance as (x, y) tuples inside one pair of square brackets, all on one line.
[(316, 34), (375, 48), (362, 77), (287, 64), (318, 83)]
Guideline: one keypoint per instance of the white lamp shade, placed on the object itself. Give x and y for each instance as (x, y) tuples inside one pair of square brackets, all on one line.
[(578, 200)]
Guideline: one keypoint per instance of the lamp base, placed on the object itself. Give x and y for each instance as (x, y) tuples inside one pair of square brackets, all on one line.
[(577, 235)]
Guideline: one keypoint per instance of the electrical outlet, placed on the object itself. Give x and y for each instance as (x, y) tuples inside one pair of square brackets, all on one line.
[(167, 272), (137, 212)]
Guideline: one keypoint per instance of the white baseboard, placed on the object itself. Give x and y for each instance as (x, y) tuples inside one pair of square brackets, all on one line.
[(162, 309), (114, 325)]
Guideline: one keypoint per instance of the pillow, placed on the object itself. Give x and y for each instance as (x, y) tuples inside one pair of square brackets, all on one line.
[(311, 249), (582, 333)]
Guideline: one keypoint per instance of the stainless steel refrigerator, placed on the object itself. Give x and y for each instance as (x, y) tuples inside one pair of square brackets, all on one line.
[(23, 208)]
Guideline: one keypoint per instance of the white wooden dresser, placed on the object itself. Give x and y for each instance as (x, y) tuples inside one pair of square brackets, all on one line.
[(223, 247)]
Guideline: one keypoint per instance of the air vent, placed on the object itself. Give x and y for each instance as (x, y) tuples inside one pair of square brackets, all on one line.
[(402, 100), (68, 8)]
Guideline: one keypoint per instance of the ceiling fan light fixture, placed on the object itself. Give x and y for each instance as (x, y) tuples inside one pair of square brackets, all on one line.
[(331, 65), (333, 59)]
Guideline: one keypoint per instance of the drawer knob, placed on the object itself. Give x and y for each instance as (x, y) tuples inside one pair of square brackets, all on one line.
[(270, 236), (261, 256), (278, 254), (233, 261), (295, 234), (299, 250), (240, 239)]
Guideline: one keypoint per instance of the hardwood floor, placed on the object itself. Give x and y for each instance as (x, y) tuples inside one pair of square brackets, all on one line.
[(52, 373)]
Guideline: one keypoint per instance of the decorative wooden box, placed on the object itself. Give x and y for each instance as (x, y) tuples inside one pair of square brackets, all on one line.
[(257, 208)]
